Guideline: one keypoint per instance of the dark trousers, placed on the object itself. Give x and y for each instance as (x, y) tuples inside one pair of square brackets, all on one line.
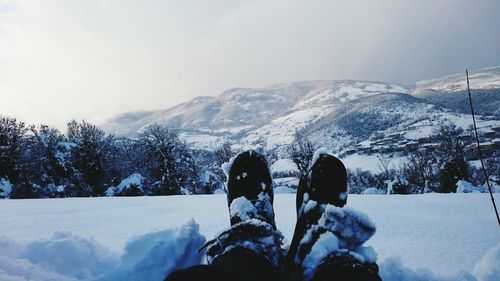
[(239, 264)]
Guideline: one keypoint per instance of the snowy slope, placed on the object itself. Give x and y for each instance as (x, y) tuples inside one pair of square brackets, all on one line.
[(444, 233)]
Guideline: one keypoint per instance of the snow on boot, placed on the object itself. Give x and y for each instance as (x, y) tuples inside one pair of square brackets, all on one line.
[(326, 183), (328, 239), (335, 244), (252, 237)]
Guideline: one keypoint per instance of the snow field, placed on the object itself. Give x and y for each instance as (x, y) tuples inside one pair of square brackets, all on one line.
[(370, 162), (453, 237)]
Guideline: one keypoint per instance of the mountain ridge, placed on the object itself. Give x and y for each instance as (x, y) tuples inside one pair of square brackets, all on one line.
[(271, 116)]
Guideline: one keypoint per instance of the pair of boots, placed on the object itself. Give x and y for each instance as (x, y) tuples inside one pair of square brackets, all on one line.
[(328, 239)]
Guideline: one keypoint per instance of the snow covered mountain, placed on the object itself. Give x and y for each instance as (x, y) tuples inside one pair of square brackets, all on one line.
[(451, 91), (485, 78), (327, 111)]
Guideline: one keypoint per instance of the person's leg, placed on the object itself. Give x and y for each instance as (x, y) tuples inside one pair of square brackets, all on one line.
[(251, 248), (249, 179), (200, 272), (327, 241)]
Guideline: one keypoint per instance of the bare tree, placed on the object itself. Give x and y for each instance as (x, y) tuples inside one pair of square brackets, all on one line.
[(418, 170), (301, 151), (383, 165)]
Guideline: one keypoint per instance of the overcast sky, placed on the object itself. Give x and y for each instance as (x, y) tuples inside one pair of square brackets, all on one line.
[(91, 59)]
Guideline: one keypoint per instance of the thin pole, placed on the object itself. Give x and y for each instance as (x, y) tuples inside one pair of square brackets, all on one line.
[(479, 149)]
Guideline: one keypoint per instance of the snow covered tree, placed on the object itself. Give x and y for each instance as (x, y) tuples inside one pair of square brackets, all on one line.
[(92, 150), (119, 163), (447, 134), (454, 170), (169, 162), (130, 186), (12, 140), (211, 176), (450, 153), (15, 156), (493, 167), (44, 161)]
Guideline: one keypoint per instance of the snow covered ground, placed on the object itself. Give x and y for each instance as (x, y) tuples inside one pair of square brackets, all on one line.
[(445, 234), (371, 162)]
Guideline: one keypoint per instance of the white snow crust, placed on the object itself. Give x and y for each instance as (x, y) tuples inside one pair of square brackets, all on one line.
[(372, 191), (284, 166), (488, 268), (65, 256), (419, 237)]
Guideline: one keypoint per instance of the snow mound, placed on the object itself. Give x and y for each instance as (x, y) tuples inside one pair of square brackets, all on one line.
[(392, 269), (154, 255), (62, 257), (5, 188), (467, 187), (219, 191), (67, 257), (373, 191), (488, 268), (132, 185), (284, 190)]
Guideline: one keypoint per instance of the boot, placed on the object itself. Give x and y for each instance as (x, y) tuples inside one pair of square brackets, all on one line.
[(251, 247), (328, 239), (249, 184)]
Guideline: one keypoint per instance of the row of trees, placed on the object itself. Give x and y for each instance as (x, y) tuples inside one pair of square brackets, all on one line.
[(43, 162)]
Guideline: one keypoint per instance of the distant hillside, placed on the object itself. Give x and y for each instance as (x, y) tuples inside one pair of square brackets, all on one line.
[(486, 101), (335, 113), (451, 91)]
